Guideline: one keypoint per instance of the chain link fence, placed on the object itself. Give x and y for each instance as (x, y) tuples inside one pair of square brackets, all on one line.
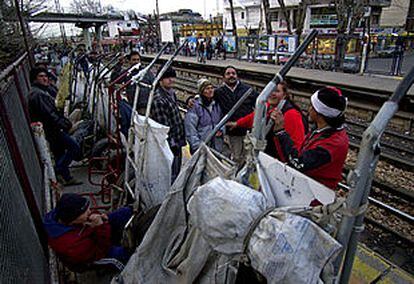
[(22, 244)]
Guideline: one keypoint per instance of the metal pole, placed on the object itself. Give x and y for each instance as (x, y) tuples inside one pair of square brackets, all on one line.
[(261, 109), (24, 32), (360, 179)]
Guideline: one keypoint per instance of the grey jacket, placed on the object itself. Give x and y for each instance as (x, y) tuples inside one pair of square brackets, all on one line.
[(200, 121)]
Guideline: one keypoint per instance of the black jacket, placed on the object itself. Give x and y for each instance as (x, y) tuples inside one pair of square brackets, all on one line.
[(42, 108), (143, 91), (228, 98)]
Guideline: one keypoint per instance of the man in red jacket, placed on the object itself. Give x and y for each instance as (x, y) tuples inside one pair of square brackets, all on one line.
[(323, 152), (80, 237)]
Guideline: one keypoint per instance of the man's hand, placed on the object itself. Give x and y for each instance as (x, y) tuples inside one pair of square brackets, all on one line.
[(277, 117), (231, 125), (95, 220), (219, 133)]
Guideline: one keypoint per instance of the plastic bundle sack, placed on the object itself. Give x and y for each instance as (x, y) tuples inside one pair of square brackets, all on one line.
[(285, 186), (153, 158), (287, 248), (223, 211)]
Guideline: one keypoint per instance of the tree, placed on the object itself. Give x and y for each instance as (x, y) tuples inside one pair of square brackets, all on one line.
[(349, 13), (266, 8), (286, 15), (86, 6), (233, 22)]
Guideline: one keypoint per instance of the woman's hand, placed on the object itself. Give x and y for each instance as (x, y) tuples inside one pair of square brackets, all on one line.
[(277, 117)]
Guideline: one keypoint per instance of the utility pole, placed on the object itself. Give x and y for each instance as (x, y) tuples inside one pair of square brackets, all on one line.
[(24, 32), (409, 24), (233, 21), (158, 20)]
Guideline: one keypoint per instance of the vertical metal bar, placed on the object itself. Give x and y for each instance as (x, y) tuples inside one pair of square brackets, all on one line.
[(361, 178), (23, 27)]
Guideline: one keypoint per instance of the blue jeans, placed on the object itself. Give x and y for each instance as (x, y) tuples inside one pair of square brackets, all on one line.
[(118, 220), (71, 151)]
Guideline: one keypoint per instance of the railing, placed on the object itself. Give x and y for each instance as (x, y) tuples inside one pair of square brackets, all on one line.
[(22, 199)]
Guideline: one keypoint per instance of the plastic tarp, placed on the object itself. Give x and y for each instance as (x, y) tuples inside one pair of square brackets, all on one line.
[(287, 248), (208, 224), (153, 159), (285, 186), (172, 251)]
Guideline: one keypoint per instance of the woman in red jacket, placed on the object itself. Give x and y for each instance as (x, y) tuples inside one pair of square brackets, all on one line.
[(295, 122)]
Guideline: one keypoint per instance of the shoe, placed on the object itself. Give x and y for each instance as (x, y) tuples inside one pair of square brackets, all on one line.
[(72, 182)]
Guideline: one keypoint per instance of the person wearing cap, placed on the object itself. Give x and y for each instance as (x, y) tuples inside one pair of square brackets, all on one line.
[(80, 237), (42, 109), (165, 111), (322, 154), (296, 124), (201, 119)]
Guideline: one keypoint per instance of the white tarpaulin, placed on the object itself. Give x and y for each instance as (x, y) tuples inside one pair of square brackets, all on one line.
[(287, 248), (172, 250), (285, 186), (283, 247), (153, 158)]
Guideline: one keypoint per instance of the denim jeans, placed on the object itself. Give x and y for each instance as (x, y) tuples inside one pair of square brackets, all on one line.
[(118, 220), (71, 151)]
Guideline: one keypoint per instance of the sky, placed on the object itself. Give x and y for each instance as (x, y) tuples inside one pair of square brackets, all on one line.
[(204, 7)]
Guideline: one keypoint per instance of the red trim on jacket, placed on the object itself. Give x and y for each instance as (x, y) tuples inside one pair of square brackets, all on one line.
[(82, 245)]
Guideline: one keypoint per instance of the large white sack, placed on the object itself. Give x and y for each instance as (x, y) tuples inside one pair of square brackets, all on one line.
[(223, 211), (154, 159), (285, 186), (287, 248)]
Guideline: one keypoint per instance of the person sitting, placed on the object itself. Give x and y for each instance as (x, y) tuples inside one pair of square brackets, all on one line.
[(42, 108), (296, 124), (79, 236), (201, 119), (322, 154)]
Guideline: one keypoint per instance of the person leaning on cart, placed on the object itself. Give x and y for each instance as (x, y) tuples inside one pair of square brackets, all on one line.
[(79, 236), (322, 154), (165, 110)]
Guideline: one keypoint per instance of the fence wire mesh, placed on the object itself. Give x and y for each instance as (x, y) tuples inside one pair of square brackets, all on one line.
[(21, 259), (21, 129)]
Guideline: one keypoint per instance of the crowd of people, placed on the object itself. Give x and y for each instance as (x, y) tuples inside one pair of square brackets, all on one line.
[(315, 144)]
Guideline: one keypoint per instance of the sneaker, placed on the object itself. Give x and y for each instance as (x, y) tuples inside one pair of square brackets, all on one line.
[(72, 182)]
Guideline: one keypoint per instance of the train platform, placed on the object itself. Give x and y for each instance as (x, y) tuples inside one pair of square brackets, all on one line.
[(366, 82)]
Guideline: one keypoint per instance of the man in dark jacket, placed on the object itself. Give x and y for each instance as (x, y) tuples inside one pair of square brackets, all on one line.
[(165, 111), (227, 96), (42, 108), (80, 237)]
